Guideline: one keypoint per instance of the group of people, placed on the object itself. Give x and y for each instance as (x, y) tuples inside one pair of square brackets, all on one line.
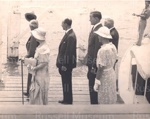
[(101, 59), (38, 79)]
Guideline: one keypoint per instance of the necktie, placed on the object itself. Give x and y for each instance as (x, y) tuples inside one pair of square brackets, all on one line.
[(92, 30)]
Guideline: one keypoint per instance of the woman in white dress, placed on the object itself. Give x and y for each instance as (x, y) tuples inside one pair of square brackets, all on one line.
[(105, 83), (40, 82)]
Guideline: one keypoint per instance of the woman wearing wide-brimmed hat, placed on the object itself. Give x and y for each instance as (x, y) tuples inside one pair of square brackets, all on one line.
[(40, 82), (31, 46), (105, 83)]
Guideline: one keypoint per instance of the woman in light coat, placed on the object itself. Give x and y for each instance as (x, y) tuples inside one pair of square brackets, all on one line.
[(40, 81), (105, 83)]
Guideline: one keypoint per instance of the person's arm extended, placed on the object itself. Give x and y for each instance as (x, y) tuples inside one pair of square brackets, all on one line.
[(140, 15)]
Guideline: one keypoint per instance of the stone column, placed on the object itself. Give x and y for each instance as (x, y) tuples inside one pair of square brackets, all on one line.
[(0, 50), (13, 29)]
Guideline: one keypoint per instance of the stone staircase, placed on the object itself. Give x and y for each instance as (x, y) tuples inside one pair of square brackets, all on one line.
[(11, 87), (11, 91)]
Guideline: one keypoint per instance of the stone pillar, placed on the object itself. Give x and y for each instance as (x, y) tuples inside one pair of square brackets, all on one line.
[(0, 50), (13, 30)]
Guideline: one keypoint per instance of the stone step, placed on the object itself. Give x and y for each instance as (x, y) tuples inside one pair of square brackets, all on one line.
[(11, 92), (75, 112), (19, 93), (81, 98), (51, 88), (49, 103), (52, 85)]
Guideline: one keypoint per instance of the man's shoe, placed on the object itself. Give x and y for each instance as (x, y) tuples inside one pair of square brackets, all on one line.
[(27, 99), (26, 94), (63, 102), (67, 103)]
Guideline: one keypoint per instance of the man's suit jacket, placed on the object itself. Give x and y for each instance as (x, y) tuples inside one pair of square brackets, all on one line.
[(67, 51), (93, 47), (31, 46), (115, 37)]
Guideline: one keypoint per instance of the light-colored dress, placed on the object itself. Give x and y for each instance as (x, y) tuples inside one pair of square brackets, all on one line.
[(106, 58), (40, 83)]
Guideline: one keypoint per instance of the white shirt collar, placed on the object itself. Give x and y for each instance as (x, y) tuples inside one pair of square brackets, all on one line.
[(96, 25), (111, 28), (68, 30)]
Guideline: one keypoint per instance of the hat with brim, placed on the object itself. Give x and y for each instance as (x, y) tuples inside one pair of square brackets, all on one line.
[(30, 16), (104, 32), (39, 34)]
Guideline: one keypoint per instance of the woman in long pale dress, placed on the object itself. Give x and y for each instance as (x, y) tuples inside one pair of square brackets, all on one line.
[(40, 82), (105, 82)]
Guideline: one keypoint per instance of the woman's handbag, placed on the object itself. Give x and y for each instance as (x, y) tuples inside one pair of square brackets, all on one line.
[(30, 63)]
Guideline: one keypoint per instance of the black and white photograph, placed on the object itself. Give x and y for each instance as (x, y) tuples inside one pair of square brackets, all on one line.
[(74, 59)]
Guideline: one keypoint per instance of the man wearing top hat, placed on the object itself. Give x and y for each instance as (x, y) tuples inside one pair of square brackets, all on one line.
[(31, 44)]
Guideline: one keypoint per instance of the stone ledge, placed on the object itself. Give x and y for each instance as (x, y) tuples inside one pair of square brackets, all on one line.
[(76, 112), (74, 109)]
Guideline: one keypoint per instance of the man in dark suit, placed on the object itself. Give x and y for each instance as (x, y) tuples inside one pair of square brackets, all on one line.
[(114, 33), (115, 40), (93, 47), (66, 60), (31, 47)]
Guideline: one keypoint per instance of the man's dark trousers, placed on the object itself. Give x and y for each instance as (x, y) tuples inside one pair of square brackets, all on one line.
[(93, 94), (66, 77)]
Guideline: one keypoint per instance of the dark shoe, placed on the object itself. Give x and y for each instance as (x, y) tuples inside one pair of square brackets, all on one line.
[(67, 103), (27, 99), (63, 102), (26, 94)]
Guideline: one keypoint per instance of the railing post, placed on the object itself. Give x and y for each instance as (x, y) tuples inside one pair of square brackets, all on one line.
[(22, 81)]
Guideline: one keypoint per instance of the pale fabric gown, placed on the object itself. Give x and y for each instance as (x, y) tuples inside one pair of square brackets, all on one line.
[(106, 57), (40, 84)]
